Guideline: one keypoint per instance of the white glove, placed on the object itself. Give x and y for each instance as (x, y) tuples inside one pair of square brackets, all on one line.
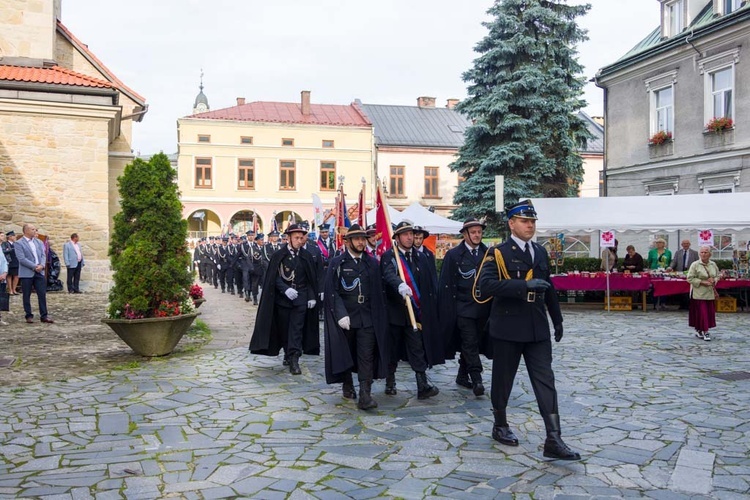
[(322, 296), (218, 266), (345, 323), (404, 290), (291, 293), (311, 304)]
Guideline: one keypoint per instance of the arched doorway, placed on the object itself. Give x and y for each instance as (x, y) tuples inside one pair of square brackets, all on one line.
[(203, 223), (242, 221), (283, 219)]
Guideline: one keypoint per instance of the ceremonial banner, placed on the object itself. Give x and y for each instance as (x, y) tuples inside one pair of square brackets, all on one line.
[(317, 210), (361, 220), (382, 224)]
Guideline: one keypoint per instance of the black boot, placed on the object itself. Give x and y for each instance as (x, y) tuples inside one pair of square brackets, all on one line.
[(347, 390), (390, 382), (554, 447), (462, 377), (365, 399), (247, 297), (255, 300), (501, 430), (294, 364), (424, 389), (476, 383)]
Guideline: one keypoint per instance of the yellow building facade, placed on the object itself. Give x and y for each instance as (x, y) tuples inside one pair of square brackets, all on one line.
[(266, 159), (65, 134)]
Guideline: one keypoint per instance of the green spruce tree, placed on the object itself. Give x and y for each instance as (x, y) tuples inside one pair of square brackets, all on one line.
[(524, 94)]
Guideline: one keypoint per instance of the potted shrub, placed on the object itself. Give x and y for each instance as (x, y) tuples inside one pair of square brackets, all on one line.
[(660, 137), (150, 307), (196, 293), (719, 124)]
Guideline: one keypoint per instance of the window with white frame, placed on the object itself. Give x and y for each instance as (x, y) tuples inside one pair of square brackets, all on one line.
[(674, 17), (721, 87), (662, 110), (729, 6)]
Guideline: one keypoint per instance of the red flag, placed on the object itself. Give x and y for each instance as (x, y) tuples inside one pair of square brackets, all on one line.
[(382, 223), (361, 219)]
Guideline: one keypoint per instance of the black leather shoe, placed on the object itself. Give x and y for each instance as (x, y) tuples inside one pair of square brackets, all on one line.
[(462, 379), (554, 447), (504, 435), (294, 368), (478, 388), (348, 392)]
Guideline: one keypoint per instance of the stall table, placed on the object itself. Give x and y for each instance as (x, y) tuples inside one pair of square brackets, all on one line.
[(617, 282), (664, 287)]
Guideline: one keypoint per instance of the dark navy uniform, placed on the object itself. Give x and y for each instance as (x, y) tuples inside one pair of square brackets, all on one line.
[(518, 279), (256, 252), (246, 266)]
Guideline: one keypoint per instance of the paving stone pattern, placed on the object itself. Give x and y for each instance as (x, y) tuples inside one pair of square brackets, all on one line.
[(637, 396)]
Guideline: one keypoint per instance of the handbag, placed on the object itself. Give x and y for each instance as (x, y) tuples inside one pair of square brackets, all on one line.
[(4, 298)]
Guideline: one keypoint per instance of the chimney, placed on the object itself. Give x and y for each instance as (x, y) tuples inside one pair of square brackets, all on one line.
[(451, 103), (240, 101), (58, 9), (305, 102), (426, 102)]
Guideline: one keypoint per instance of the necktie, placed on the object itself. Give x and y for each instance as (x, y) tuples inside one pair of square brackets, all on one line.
[(527, 251), (684, 260), (474, 252), (356, 260), (408, 258)]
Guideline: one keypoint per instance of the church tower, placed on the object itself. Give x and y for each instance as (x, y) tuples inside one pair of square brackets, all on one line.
[(201, 101)]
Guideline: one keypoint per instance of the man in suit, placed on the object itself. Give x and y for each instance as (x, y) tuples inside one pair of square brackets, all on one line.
[(73, 258), (681, 263), (683, 258), (516, 274), (32, 260)]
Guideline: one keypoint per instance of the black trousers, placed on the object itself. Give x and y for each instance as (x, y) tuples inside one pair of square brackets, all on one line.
[(415, 353), (362, 345), (74, 278), (292, 320), (470, 330), (247, 280), (538, 359), (257, 280), (238, 282), (39, 283)]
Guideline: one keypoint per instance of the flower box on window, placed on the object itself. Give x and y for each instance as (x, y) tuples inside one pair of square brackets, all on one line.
[(719, 124), (660, 137)]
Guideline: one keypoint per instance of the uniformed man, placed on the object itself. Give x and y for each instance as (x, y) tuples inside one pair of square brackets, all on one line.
[(326, 244), (372, 241), (222, 262), (312, 247), (516, 274), (202, 259), (258, 266), (286, 316), (270, 248), (423, 346), (461, 317), (355, 320), (420, 234), (213, 254), (246, 263)]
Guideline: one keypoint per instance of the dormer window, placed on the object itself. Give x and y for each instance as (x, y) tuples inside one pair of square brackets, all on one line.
[(729, 6), (673, 17)]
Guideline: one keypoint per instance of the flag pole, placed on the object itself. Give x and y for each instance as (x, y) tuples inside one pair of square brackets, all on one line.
[(396, 256)]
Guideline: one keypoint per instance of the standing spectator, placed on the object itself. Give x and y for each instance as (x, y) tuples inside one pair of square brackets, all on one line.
[(609, 258), (9, 249), (73, 258), (659, 257), (703, 276), (516, 273), (3, 276), (683, 258), (32, 260)]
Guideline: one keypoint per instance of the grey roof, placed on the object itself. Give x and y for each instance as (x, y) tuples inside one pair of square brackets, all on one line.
[(596, 143), (415, 126)]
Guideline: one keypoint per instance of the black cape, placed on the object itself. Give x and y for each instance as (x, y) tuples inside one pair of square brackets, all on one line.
[(338, 357), (267, 338), (447, 290)]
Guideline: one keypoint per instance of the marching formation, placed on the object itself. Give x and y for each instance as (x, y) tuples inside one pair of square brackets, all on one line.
[(381, 303)]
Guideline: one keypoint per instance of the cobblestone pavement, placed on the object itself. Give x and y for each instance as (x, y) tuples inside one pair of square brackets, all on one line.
[(639, 398)]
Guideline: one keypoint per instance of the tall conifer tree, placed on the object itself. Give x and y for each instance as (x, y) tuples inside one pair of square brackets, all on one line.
[(524, 94)]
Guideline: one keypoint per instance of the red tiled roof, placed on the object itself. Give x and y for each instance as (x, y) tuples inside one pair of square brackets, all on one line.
[(54, 74), (100, 65), (289, 112)]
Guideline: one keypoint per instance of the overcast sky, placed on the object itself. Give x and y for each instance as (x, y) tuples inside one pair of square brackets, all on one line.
[(380, 51)]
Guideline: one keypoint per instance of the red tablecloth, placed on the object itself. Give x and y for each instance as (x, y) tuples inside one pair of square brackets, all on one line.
[(616, 282), (676, 287)]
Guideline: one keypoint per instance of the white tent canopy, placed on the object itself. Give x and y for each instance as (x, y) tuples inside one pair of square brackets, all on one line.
[(434, 223), (420, 216), (689, 212)]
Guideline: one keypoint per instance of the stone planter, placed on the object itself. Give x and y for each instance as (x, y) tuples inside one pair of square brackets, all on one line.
[(198, 302), (658, 150), (152, 336), (718, 139)]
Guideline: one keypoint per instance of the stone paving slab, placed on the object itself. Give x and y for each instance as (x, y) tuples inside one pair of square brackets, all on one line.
[(636, 393)]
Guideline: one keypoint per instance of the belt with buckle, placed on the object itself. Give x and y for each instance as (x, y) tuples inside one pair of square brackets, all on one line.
[(530, 296)]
